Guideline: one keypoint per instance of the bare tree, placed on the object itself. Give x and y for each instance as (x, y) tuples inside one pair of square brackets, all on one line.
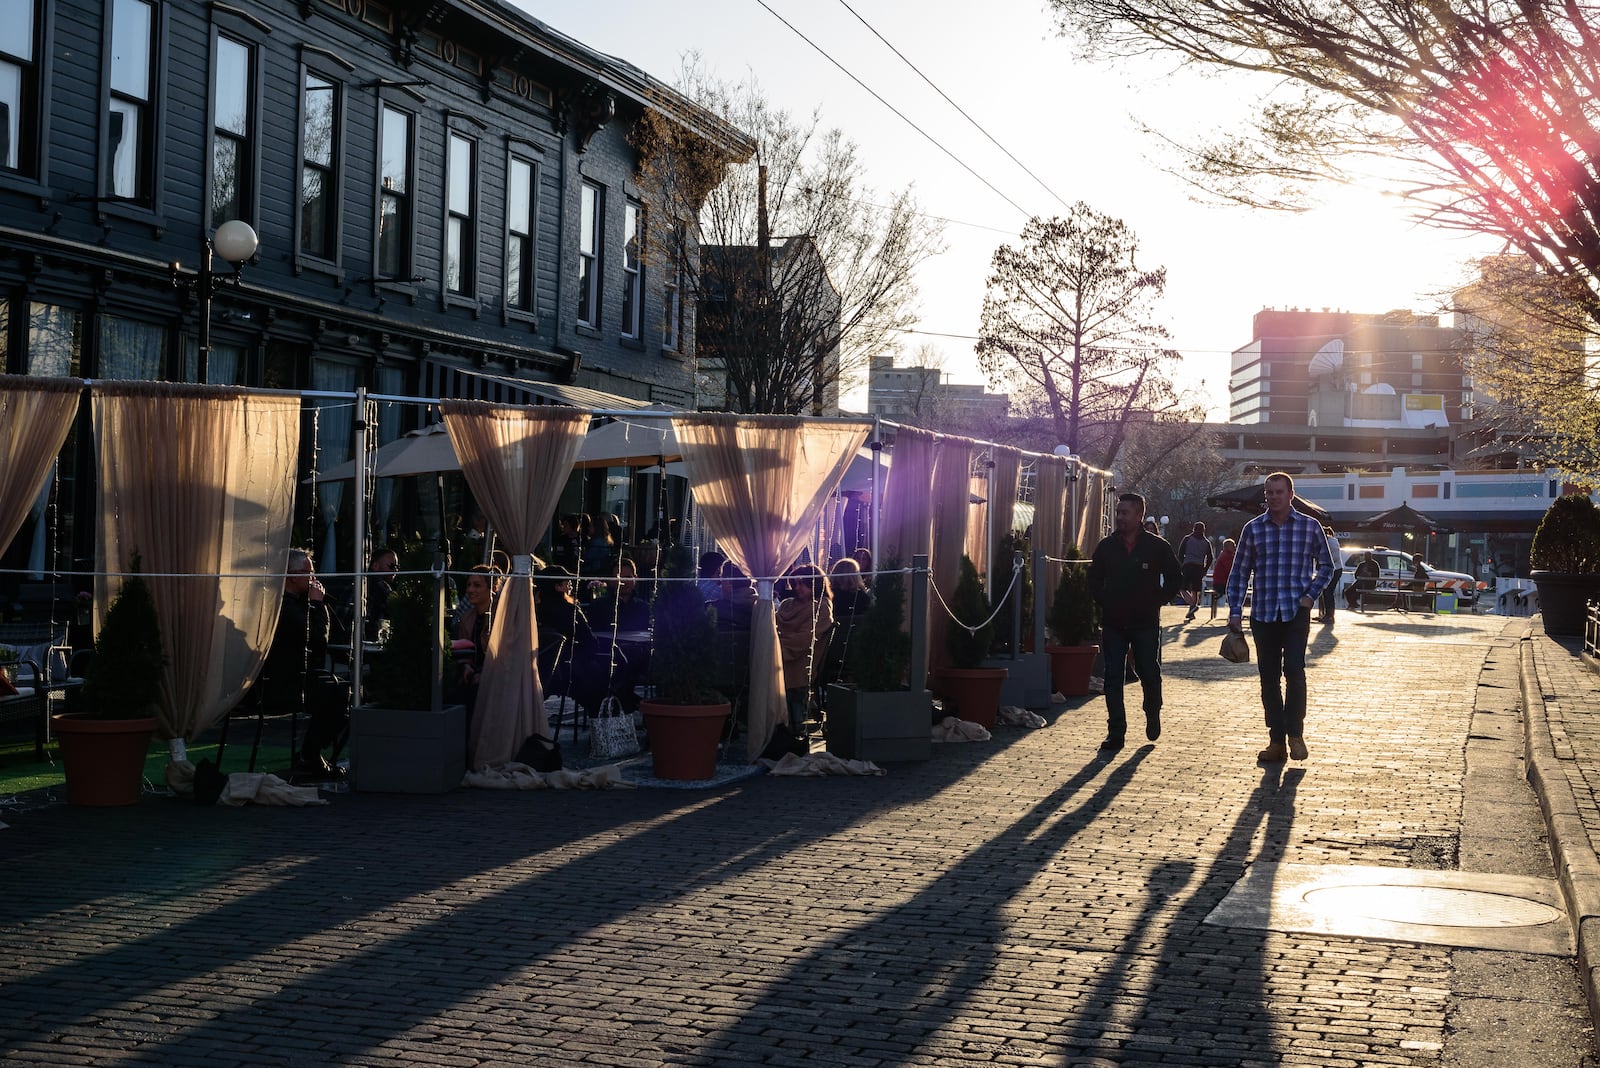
[(1066, 326), (1176, 466), (805, 272), (1489, 107)]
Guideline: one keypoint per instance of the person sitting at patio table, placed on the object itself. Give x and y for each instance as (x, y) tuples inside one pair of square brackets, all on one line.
[(621, 608), (572, 661), (472, 624), (380, 584), (851, 599), (295, 676), (1366, 580), (804, 616)]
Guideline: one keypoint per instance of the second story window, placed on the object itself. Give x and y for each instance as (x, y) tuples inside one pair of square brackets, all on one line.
[(520, 214), (591, 210), (19, 88), (394, 194), (672, 294), (231, 194), (319, 174), (632, 289), (130, 121), (460, 243)]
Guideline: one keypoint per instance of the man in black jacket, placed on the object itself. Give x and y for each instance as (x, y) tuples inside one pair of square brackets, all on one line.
[(1131, 575)]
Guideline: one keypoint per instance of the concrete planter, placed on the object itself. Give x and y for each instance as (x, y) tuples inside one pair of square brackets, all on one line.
[(406, 751), (881, 727), (1027, 682)]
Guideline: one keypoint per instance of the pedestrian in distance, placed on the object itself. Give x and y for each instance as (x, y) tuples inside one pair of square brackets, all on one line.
[(1286, 553), (1132, 573), (1194, 556), (1219, 574), (1331, 593)]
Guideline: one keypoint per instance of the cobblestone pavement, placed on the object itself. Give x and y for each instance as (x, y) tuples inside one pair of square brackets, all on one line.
[(1023, 901)]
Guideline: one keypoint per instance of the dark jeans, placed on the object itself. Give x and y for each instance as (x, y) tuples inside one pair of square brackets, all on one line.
[(1281, 658), (1330, 596), (1114, 646)]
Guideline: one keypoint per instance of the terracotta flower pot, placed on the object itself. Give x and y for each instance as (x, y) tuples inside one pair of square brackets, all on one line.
[(1070, 667), (973, 694), (683, 738), (103, 758)]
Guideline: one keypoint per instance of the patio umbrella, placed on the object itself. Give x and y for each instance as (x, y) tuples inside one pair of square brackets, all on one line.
[(1253, 499), (1404, 517), (418, 452)]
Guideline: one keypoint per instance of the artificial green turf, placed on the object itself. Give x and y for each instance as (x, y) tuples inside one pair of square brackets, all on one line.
[(19, 772)]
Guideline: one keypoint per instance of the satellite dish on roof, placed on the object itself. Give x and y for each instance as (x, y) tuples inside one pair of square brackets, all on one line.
[(1328, 359)]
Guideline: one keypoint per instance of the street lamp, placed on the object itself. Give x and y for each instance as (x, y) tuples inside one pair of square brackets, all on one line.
[(235, 241)]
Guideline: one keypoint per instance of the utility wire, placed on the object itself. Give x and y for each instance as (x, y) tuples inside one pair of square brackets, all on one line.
[(929, 137), (975, 123)]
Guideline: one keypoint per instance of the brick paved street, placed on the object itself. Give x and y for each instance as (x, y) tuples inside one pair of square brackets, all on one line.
[(1021, 902)]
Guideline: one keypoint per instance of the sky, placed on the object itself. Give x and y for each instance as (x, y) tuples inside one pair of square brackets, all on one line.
[(1077, 126)]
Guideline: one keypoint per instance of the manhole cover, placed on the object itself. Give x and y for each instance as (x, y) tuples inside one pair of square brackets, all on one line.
[(1434, 905)]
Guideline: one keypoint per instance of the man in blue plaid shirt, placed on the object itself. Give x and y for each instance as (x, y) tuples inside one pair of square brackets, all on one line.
[(1286, 553)]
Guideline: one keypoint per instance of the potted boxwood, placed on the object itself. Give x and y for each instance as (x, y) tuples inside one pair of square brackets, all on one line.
[(685, 718), (1565, 557), (970, 690), (103, 747), (873, 714), (1073, 621), (400, 741)]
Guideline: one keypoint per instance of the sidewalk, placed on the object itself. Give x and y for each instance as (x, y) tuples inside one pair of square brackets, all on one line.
[(1561, 693)]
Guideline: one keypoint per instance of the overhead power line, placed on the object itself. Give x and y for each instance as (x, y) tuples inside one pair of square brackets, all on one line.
[(901, 115), (975, 123)]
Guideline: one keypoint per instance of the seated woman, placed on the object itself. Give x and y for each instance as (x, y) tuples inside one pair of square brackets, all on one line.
[(621, 608), (473, 620), (572, 661), (805, 617), (851, 599)]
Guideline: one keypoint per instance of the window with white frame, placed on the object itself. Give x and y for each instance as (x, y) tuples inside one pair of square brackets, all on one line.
[(394, 194), (591, 211), (632, 268), (672, 293), (319, 167), (521, 187), (19, 87), (460, 239), (129, 151), (233, 124)]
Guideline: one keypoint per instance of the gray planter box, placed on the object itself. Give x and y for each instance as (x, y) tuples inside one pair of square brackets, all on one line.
[(880, 726), (401, 751), (1028, 680)]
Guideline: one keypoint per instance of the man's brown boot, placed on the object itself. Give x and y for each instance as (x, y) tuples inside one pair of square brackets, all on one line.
[(1273, 754), (1297, 748)]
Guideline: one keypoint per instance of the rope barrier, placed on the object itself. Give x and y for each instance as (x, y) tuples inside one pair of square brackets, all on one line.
[(1016, 572)]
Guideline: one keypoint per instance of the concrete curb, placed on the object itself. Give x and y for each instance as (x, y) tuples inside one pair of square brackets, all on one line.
[(1577, 866)]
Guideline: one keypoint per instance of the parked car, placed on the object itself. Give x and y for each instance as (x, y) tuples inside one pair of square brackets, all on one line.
[(1397, 566)]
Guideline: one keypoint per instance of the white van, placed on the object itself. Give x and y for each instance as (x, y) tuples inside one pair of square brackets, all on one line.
[(1397, 566)]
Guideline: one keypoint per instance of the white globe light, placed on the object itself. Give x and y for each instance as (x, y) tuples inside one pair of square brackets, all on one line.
[(235, 241)]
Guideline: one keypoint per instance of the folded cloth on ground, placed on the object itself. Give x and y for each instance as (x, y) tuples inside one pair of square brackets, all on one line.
[(1013, 716), (820, 764), (514, 776), (951, 729), (266, 789)]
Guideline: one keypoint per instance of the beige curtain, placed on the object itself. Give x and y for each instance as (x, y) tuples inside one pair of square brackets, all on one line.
[(952, 501), (760, 484), (199, 481), (1050, 521), (517, 460), (976, 542), (907, 520), (35, 417), (1003, 501)]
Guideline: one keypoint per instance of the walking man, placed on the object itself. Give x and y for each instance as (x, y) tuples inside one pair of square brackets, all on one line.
[(1131, 575), (1286, 553), (1194, 556)]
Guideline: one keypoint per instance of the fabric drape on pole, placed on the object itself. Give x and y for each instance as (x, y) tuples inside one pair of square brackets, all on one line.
[(976, 542), (36, 415), (199, 481), (1050, 521), (1003, 499), (516, 460), (1089, 525), (906, 525), (760, 483), (952, 500)]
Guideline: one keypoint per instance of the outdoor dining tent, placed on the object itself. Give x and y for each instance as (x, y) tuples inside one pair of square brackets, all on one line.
[(1253, 499), (1403, 518)]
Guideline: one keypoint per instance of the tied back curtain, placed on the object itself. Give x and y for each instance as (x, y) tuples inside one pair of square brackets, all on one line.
[(952, 500), (517, 460), (199, 481), (760, 484), (1050, 523), (35, 417)]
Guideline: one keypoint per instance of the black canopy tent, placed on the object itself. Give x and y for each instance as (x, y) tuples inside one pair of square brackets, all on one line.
[(1253, 499)]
